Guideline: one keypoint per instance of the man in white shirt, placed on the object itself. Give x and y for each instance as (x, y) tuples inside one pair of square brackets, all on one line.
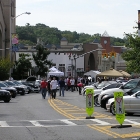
[(72, 81), (53, 86)]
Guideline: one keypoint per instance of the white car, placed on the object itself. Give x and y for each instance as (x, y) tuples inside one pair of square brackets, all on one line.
[(131, 104), (98, 86), (124, 88)]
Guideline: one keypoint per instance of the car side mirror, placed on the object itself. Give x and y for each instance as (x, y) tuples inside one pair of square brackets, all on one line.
[(103, 88), (122, 87)]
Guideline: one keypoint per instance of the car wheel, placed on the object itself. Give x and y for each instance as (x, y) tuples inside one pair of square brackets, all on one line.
[(129, 114), (6, 101), (112, 108), (96, 103), (23, 93)]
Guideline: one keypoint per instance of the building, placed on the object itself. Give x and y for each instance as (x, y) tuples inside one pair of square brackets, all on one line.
[(71, 58), (7, 25), (115, 62)]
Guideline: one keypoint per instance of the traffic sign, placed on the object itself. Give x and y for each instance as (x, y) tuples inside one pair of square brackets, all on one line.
[(89, 101), (119, 107)]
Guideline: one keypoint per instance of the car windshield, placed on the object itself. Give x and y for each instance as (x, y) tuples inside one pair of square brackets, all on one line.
[(131, 84), (2, 85), (10, 83), (17, 83)]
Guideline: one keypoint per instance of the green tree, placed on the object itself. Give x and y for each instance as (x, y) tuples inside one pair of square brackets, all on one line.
[(5, 65), (41, 60), (132, 55), (22, 66)]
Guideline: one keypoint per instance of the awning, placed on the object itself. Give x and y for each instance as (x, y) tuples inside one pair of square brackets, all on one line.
[(125, 73), (111, 73)]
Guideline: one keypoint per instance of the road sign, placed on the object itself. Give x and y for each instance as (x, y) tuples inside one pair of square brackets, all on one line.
[(119, 107), (89, 101)]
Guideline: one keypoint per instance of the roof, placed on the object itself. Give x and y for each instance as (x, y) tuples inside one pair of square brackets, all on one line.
[(111, 73), (105, 34), (96, 40), (63, 39)]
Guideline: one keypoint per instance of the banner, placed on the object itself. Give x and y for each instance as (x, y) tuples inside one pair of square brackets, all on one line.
[(139, 19), (119, 107)]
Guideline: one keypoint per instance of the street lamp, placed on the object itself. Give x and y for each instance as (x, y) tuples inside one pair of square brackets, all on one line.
[(12, 18)]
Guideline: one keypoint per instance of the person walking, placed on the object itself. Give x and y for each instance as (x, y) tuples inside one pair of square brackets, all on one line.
[(44, 85), (53, 86), (62, 86), (68, 83), (49, 89), (72, 81), (80, 85)]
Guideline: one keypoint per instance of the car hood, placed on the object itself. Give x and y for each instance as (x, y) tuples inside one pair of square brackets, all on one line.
[(97, 91), (124, 98), (8, 88), (111, 91)]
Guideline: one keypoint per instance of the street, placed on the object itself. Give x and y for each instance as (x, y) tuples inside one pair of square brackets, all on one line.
[(30, 117)]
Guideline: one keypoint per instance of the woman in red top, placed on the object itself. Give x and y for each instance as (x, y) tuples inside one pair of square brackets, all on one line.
[(44, 85), (80, 85)]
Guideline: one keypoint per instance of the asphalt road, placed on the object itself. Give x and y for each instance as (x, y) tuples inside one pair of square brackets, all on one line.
[(30, 117)]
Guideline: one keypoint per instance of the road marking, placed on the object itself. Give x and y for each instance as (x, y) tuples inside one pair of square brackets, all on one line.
[(133, 122), (68, 122), (3, 124), (36, 123), (99, 121)]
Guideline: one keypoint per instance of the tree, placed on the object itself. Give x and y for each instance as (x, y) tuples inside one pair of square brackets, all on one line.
[(22, 66), (5, 65), (132, 55), (41, 60)]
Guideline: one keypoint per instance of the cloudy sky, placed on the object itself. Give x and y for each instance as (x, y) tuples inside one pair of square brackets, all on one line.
[(83, 16)]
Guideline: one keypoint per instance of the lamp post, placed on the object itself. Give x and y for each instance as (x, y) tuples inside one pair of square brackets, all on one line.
[(12, 18)]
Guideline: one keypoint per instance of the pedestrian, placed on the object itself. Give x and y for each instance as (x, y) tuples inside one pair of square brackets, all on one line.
[(53, 87), (75, 84), (80, 85), (44, 85), (72, 82), (68, 83), (62, 86), (49, 90)]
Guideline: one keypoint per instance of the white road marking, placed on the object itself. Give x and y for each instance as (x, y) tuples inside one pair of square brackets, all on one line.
[(133, 122), (99, 121), (68, 122), (3, 124), (35, 123)]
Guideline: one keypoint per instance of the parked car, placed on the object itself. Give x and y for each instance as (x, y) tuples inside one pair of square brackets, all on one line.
[(98, 91), (28, 86), (97, 86), (20, 90), (131, 104), (12, 90), (124, 88), (21, 85), (5, 96), (105, 98)]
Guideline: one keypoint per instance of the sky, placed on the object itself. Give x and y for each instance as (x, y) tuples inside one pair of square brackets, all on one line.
[(82, 16)]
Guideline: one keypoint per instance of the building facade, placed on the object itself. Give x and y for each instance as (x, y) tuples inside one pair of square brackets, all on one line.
[(7, 25)]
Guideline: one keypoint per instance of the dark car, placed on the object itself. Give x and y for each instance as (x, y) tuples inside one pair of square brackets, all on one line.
[(28, 86), (105, 98), (31, 81), (5, 96), (20, 90), (12, 90), (21, 85)]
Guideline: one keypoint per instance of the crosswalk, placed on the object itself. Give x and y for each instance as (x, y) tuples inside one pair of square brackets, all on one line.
[(67, 122)]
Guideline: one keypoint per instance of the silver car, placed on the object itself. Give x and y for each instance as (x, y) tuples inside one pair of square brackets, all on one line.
[(131, 103)]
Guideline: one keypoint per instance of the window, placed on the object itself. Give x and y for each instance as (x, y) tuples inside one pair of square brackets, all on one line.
[(110, 86), (131, 84), (2, 85), (12, 9)]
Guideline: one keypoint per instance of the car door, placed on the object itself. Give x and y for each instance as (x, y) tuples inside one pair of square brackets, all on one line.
[(135, 102)]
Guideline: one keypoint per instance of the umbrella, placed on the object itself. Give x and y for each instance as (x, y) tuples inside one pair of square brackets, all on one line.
[(111, 73), (125, 73)]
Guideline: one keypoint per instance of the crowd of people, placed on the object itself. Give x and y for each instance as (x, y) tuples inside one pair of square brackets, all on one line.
[(64, 83)]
